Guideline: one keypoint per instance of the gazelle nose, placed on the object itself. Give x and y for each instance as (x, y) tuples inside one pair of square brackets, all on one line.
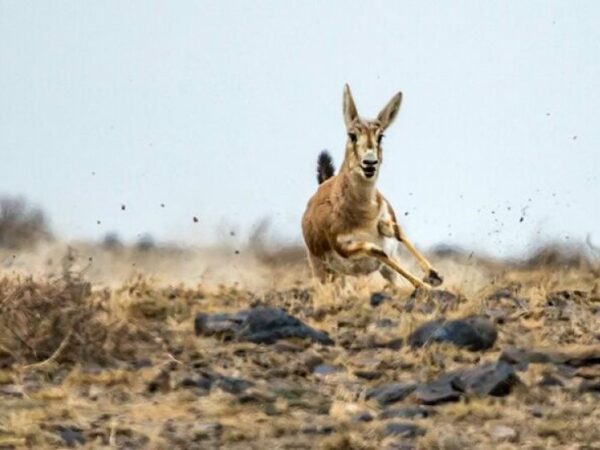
[(370, 162)]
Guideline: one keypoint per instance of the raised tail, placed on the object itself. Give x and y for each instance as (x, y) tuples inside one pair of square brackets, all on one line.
[(325, 167)]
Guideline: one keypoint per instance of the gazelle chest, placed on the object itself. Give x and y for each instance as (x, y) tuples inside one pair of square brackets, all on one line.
[(370, 231)]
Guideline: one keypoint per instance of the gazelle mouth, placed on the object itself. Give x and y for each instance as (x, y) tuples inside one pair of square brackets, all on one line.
[(369, 171)]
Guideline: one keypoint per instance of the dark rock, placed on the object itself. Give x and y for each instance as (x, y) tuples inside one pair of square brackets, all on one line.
[(368, 374), (364, 416), (565, 370), (496, 379), (407, 412), (204, 381), (590, 372), (222, 324), (232, 385), (323, 370), (262, 325), (521, 358), (402, 429), (371, 341), (71, 436), (385, 323), (200, 380), (390, 393), (586, 356), (590, 386), (423, 334), (549, 380), (440, 390), (474, 333), (377, 299)]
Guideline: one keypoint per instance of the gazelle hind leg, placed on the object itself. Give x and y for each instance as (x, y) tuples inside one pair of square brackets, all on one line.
[(351, 249), (318, 268)]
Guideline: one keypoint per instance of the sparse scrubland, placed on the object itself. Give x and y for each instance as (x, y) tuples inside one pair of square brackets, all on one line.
[(103, 346)]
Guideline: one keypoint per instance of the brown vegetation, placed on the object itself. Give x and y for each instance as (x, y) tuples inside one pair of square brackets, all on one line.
[(87, 359)]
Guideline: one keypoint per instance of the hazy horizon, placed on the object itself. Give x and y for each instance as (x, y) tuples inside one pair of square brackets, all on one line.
[(217, 110)]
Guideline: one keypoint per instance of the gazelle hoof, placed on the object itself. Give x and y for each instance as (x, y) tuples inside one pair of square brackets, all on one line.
[(433, 278)]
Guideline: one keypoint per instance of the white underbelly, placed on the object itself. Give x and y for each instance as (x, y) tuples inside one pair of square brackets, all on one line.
[(362, 265), (352, 266)]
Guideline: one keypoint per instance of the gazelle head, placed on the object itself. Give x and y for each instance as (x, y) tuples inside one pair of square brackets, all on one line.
[(363, 148)]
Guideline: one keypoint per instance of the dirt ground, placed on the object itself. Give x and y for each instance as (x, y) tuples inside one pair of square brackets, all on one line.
[(98, 350)]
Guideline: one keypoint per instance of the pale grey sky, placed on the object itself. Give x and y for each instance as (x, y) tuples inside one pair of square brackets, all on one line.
[(219, 109)]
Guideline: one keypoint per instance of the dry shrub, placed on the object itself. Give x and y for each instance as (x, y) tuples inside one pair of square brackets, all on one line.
[(64, 322), (20, 224), (559, 256), (261, 245), (36, 318)]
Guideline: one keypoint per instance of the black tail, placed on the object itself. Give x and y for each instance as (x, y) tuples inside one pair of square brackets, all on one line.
[(325, 167)]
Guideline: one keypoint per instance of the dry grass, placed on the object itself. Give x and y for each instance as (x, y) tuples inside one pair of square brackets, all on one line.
[(96, 345)]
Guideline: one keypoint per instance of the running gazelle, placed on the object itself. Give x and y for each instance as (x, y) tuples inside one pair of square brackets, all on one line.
[(348, 226)]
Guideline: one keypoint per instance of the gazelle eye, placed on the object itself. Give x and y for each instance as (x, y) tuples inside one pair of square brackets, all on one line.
[(379, 138), (352, 137)]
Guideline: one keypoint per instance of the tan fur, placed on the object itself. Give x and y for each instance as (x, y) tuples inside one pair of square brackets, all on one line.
[(348, 226)]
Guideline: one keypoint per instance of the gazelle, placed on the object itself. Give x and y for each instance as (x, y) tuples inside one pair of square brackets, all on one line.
[(348, 226)]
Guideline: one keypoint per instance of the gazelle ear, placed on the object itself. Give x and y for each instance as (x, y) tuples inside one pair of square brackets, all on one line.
[(350, 113), (389, 113)]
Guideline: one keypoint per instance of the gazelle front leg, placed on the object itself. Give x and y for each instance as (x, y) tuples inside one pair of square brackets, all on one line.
[(354, 249), (389, 228), (432, 277)]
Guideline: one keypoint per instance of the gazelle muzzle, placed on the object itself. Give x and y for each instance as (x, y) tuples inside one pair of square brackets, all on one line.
[(369, 165)]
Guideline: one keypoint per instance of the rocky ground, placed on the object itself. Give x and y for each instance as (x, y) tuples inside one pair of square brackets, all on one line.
[(506, 355)]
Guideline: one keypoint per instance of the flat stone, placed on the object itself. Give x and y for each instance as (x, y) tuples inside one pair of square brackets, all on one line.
[(440, 390), (261, 325), (390, 393), (71, 436), (521, 358), (323, 370), (550, 380), (368, 374), (403, 429), (474, 333), (407, 412), (496, 379), (580, 357), (205, 380), (423, 333), (364, 416)]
